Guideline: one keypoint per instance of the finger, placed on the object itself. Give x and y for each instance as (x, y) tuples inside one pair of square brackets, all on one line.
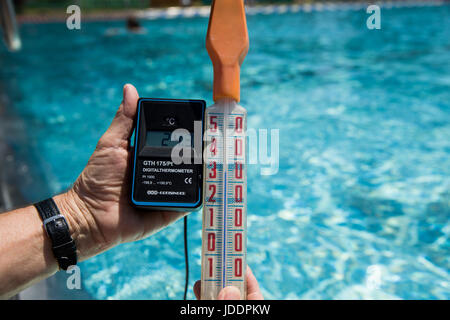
[(197, 289), (253, 291), (130, 98), (229, 293), (122, 125)]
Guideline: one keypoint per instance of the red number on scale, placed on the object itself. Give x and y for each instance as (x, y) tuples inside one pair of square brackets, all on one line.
[(238, 193), (238, 217), (238, 241), (213, 172), (211, 241), (213, 148), (238, 147), (238, 267), (213, 123), (212, 188), (238, 170), (211, 216), (210, 260), (238, 124)]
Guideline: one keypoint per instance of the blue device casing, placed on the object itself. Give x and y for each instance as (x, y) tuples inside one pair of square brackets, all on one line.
[(153, 186)]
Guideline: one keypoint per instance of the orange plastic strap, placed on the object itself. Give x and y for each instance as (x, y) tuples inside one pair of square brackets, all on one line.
[(227, 45)]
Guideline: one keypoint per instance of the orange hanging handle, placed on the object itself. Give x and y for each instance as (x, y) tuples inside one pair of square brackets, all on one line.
[(227, 45)]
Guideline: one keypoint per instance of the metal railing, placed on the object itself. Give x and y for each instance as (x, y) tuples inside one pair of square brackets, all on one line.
[(8, 25)]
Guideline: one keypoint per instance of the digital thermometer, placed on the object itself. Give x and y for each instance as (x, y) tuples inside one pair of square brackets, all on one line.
[(167, 161), (224, 234)]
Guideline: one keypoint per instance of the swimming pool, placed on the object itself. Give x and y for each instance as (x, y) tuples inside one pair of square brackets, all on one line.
[(360, 207)]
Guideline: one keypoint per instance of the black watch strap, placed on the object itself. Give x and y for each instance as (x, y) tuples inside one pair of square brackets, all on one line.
[(57, 228)]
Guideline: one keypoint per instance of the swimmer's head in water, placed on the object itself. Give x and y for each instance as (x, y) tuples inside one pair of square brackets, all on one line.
[(133, 24)]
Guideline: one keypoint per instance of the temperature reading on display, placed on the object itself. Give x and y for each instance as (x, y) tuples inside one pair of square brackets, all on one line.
[(163, 139)]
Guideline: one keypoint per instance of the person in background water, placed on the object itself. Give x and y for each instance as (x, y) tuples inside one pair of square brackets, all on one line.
[(97, 211), (134, 26)]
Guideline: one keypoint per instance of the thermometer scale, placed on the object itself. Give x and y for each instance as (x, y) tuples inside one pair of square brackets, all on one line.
[(224, 238)]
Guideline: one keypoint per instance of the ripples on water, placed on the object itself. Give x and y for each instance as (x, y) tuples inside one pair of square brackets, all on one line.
[(361, 203)]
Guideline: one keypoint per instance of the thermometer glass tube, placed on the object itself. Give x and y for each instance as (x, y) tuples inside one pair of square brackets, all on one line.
[(225, 203)]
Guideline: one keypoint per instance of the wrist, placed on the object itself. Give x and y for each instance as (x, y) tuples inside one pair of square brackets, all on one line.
[(77, 216)]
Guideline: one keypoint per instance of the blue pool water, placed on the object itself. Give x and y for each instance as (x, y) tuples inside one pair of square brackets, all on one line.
[(360, 207)]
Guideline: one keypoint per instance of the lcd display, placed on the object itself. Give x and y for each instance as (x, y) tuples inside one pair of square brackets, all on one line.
[(163, 139)]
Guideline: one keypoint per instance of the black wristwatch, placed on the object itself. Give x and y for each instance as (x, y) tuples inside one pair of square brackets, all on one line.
[(57, 228)]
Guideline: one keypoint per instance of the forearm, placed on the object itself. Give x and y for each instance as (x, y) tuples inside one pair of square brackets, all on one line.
[(25, 251), (26, 255)]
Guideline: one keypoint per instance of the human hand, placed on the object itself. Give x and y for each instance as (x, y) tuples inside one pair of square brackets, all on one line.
[(233, 293), (97, 207)]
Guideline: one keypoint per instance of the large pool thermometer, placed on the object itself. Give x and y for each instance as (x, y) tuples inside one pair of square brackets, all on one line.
[(224, 212), (225, 203), (160, 180)]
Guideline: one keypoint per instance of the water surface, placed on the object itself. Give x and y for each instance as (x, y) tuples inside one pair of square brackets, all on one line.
[(360, 206)]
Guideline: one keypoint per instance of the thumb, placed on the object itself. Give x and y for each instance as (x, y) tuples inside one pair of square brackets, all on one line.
[(121, 127), (229, 293)]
